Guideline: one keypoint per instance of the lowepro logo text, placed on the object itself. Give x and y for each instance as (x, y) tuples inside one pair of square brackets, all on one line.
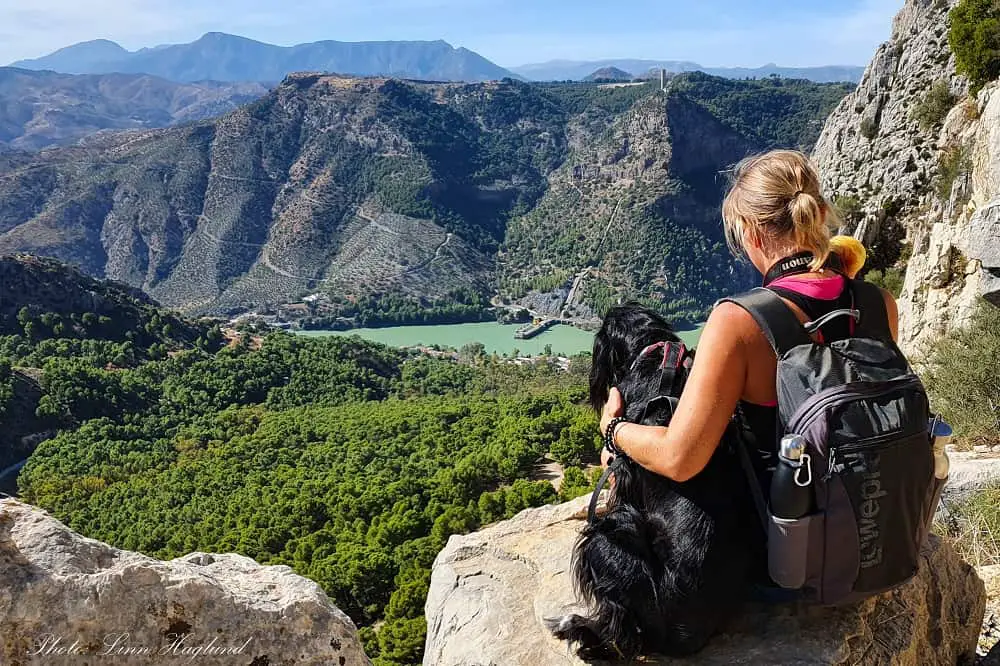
[(869, 530)]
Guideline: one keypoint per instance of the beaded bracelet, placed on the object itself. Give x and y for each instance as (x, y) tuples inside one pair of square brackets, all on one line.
[(609, 436)]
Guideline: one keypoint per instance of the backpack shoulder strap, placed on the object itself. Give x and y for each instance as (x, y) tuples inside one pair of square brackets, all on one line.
[(736, 427), (779, 324), (874, 321)]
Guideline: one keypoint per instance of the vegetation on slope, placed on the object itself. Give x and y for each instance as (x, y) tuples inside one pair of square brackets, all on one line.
[(772, 112), (638, 201), (384, 189), (974, 36), (962, 378), (51, 317), (349, 461), (961, 374)]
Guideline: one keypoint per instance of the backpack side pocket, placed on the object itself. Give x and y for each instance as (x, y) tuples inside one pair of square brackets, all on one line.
[(788, 550)]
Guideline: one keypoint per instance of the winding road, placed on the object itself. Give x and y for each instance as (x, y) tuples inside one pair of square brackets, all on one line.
[(428, 262)]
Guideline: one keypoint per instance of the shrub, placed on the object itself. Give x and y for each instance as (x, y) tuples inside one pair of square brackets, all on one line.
[(954, 162), (848, 205), (962, 378), (974, 37), (932, 108), (869, 128), (891, 279)]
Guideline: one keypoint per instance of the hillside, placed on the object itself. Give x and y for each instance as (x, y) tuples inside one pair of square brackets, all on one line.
[(218, 56), (609, 74), (350, 462), (49, 313), (43, 109), (634, 210), (574, 70), (377, 187)]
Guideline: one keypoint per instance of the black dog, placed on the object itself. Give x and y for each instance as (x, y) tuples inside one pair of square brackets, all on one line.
[(668, 563)]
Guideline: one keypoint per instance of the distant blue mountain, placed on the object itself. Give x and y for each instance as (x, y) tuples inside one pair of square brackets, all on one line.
[(221, 57), (572, 70)]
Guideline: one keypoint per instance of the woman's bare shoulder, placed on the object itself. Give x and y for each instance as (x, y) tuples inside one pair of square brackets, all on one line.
[(729, 321)]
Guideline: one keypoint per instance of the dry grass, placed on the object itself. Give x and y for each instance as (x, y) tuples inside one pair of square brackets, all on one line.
[(961, 375), (972, 526)]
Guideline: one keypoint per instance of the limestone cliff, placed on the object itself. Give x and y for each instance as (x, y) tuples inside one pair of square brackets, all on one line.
[(490, 591), (920, 187), (65, 599)]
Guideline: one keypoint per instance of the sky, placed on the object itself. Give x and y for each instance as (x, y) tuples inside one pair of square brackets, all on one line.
[(509, 32)]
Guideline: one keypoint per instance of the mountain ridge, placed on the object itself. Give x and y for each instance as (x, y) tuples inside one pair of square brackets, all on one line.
[(221, 56), (376, 187), (575, 70), (40, 109)]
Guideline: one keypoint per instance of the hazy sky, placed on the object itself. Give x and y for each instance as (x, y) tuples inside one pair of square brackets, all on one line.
[(509, 32)]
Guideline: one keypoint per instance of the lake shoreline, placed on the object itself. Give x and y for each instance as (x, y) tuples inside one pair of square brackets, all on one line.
[(561, 339)]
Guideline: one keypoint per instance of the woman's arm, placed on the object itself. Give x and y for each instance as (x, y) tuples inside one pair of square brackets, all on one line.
[(715, 385)]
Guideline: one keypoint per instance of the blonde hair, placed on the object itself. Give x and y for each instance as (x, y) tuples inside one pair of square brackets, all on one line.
[(775, 197)]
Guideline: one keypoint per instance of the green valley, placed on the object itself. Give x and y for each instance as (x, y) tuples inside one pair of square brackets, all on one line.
[(347, 460)]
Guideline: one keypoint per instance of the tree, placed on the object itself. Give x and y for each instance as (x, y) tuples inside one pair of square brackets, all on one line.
[(974, 37), (574, 484), (472, 352)]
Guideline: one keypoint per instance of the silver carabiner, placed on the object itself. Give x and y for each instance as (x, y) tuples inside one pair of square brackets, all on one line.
[(804, 464)]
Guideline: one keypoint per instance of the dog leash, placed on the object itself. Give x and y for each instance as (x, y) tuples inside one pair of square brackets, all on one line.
[(612, 467)]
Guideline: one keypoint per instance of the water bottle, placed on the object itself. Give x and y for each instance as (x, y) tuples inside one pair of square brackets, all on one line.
[(791, 494), (940, 436)]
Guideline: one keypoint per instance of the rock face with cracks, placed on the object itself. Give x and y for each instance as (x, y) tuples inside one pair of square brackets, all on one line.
[(913, 162), (491, 589), (66, 599)]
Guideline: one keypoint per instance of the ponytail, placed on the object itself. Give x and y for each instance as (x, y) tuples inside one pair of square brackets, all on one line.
[(775, 197), (809, 230)]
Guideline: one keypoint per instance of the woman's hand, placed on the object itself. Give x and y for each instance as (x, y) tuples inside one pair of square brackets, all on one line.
[(614, 407)]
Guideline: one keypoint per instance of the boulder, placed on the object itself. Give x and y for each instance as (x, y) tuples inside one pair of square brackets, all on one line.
[(969, 472), (491, 589), (989, 639), (983, 243), (64, 597)]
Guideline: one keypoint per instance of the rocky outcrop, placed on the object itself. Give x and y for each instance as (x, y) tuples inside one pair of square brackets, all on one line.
[(922, 195), (64, 597), (970, 472), (490, 591)]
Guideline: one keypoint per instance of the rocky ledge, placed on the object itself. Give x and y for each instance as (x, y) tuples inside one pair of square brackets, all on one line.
[(490, 590), (66, 599)]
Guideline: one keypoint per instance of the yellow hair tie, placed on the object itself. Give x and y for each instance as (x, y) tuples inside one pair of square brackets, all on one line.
[(851, 252)]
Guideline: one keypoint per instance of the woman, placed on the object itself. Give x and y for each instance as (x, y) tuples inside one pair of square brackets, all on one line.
[(774, 210)]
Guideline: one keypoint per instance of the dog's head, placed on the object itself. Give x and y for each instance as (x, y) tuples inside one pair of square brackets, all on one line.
[(629, 352)]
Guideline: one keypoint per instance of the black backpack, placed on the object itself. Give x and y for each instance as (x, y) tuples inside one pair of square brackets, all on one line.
[(864, 415)]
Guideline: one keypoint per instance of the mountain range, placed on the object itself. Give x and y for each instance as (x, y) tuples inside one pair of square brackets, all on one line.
[(359, 187), (572, 70), (221, 57), (42, 109)]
